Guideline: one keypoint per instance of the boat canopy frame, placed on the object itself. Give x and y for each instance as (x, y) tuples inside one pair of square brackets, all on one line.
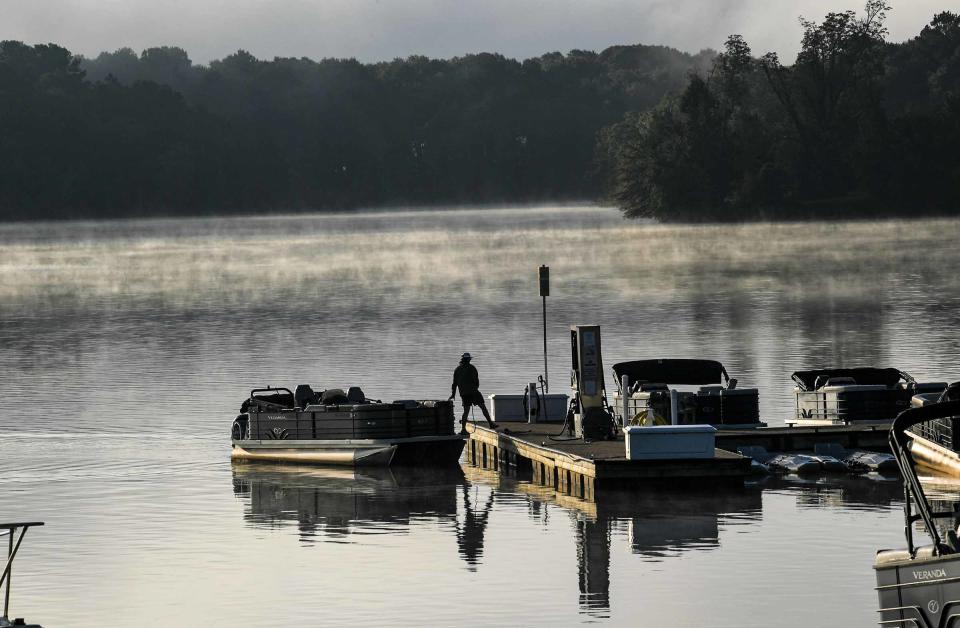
[(865, 375), (913, 493)]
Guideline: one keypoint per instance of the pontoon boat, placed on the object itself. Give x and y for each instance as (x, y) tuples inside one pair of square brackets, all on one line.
[(920, 586), (717, 401), (340, 428), (854, 395)]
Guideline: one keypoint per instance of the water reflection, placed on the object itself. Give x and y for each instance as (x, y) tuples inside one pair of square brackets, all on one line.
[(111, 319), (870, 491), (336, 503), (657, 524), (471, 531)]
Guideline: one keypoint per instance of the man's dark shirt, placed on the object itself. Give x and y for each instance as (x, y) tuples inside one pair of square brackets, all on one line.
[(465, 378)]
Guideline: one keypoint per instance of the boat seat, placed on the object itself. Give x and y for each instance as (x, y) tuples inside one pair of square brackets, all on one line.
[(333, 397), (885, 557), (951, 393), (303, 395), (355, 395)]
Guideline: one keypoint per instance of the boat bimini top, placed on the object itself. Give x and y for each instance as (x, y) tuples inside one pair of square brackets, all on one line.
[(673, 371), (863, 376)]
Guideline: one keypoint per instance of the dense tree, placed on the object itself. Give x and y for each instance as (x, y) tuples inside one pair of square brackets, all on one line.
[(856, 126), (126, 134)]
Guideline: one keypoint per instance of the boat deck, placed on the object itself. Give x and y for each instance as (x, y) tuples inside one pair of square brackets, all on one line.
[(580, 469)]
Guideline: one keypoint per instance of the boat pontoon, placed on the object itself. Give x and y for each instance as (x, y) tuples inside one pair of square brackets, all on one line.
[(934, 444), (648, 392), (340, 428), (920, 586), (854, 395)]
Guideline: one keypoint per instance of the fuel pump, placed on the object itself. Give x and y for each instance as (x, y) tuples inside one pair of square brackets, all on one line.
[(592, 419)]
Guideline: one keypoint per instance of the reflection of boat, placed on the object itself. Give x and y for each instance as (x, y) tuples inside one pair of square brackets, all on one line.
[(340, 428), (846, 396), (868, 491), (920, 586), (649, 384), (338, 500)]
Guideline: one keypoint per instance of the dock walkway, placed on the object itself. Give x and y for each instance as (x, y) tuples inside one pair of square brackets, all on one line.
[(580, 469)]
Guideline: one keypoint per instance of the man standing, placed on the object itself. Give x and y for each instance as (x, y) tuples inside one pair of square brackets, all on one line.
[(465, 378)]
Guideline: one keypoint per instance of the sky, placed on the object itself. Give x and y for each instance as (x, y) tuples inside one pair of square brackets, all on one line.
[(374, 30)]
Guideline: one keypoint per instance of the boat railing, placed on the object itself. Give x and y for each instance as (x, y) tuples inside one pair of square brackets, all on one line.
[(912, 490), (820, 404), (10, 529)]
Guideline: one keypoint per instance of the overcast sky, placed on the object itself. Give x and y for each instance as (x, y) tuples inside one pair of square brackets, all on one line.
[(373, 30)]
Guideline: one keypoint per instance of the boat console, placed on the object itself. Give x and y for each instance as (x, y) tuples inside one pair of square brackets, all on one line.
[(716, 402), (854, 395)]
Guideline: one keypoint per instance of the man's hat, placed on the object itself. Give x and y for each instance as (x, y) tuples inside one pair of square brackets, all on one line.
[(466, 356)]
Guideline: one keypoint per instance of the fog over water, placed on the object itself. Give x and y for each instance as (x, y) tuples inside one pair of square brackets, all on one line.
[(127, 348)]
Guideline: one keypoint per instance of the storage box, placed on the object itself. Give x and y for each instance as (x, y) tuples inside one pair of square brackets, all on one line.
[(669, 442), (510, 408)]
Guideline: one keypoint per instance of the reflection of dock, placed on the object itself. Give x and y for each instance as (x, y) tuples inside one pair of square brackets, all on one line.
[(658, 524), (580, 469)]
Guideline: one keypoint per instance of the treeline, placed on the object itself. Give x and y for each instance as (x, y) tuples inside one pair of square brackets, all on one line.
[(125, 134), (856, 126)]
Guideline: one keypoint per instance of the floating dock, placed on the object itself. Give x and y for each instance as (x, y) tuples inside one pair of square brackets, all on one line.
[(872, 436), (580, 469)]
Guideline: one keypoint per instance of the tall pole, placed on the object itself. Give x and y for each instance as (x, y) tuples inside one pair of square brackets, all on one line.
[(9, 574), (546, 378), (544, 293)]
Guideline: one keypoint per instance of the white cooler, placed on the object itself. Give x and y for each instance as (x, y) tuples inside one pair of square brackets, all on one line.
[(669, 442)]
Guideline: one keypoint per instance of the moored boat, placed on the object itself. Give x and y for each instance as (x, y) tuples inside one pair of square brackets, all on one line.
[(717, 400), (338, 428), (920, 586), (845, 396), (934, 443)]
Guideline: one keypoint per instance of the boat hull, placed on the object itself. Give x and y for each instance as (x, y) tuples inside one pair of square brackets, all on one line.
[(426, 451), (935, 457), (919, 591)]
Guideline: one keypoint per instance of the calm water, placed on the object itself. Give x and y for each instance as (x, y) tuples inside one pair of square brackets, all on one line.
[(126, 348)]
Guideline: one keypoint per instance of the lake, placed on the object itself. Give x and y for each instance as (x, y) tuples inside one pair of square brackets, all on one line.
[(127, 347)]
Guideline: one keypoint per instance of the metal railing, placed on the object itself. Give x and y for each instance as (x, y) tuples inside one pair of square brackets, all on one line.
[(12, 549)]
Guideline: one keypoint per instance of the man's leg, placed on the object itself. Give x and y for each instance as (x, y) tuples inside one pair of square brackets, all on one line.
[(463, 419), (486, 415)]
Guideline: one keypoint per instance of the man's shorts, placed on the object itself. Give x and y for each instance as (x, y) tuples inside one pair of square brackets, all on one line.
[(471, 399)]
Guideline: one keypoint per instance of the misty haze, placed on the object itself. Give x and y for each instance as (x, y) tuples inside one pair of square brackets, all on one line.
[(494, 314)]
